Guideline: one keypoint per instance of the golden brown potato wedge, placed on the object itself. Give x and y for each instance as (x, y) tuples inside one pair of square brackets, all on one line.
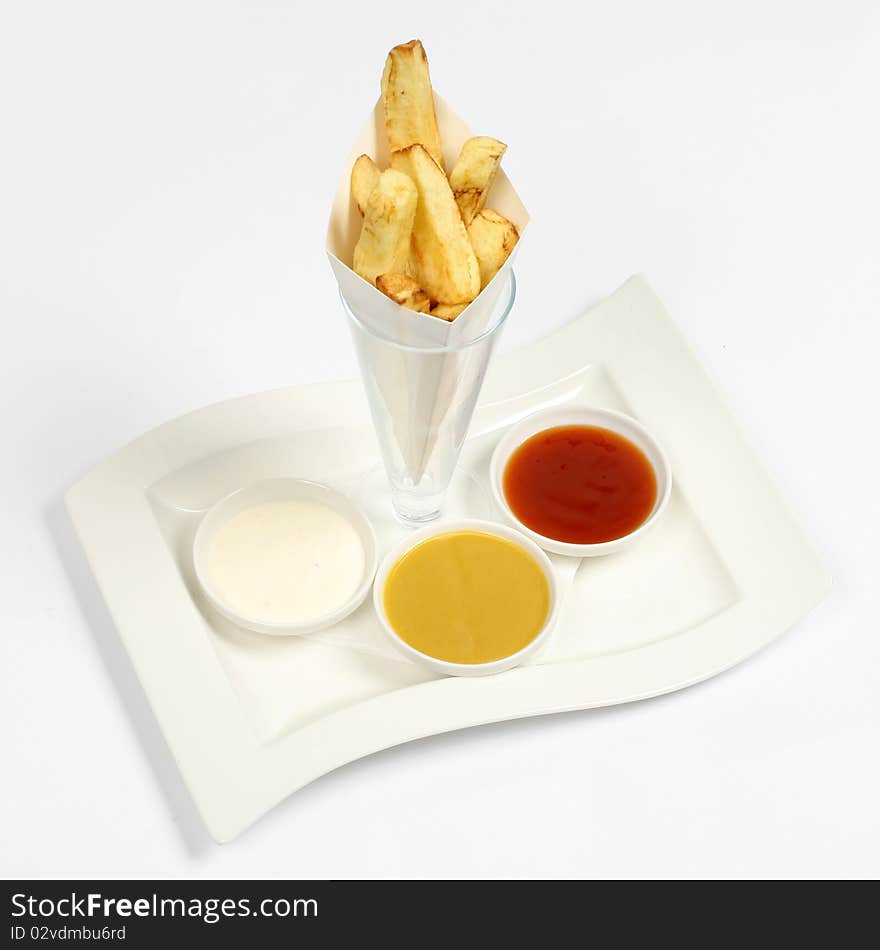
[(492, 237), (409, 101), (384, 244), (447, 311), (364, 177), (405, 290), (474, 174), (446, 264)]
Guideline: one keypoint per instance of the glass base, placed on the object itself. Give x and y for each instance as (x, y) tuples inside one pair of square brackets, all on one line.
[(415, 518), (416, 508), (465, 498)]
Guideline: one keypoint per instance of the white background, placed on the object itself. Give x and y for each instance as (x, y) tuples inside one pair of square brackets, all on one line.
[(167, 170)]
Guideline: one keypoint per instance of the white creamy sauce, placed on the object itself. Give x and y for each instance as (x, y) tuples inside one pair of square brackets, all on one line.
[(286, 561)]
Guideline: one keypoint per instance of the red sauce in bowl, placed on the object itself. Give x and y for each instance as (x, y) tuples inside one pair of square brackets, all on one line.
[(580, 484)]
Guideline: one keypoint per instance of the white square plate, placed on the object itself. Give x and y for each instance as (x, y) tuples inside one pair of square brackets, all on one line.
[(250, 719)]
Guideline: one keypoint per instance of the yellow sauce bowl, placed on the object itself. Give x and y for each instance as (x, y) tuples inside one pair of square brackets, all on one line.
[(494, 606)]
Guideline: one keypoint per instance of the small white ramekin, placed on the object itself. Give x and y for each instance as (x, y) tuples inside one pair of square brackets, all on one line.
[(581, 416), (467, 669), (283, 489)]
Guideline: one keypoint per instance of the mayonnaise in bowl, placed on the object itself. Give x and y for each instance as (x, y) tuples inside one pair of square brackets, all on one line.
[(285, 556)]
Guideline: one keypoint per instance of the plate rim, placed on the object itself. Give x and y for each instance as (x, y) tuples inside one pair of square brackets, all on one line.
[(205, 729)]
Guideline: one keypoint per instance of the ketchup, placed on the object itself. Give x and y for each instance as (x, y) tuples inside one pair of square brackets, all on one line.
[(580, 484)]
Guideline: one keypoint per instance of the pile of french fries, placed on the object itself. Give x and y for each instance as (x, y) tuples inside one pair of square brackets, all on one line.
[(427, 241)]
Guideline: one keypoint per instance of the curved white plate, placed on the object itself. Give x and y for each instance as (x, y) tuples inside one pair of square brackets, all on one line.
[(251, 719)]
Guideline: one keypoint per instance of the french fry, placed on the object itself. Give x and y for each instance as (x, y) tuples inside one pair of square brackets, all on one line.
[(447, 266), (492, 237), (405, 290), (409, 101), (473, 174), (364, 177), (384, 244), (447, 311)]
